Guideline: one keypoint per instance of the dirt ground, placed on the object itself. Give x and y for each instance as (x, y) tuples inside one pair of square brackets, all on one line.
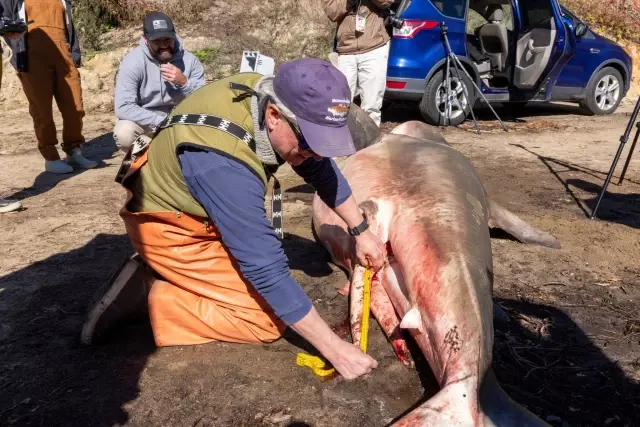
[(569, 350)]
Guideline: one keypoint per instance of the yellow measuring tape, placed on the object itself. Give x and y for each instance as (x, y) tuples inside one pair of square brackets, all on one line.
[(366, 302), (316, 363)]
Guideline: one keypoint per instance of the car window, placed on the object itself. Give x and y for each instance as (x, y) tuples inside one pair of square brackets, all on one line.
[(575, 21), (567, 13), (475, 20), (452, 8), (535, 13)]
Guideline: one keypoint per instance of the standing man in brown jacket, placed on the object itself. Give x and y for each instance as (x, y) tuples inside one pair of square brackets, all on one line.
[(363, 48)]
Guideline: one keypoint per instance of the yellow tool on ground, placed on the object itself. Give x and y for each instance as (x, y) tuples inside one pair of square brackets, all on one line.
[(316, 363)]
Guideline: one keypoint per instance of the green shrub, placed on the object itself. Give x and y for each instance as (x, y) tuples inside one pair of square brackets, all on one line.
[(206, 55), (91, 20)]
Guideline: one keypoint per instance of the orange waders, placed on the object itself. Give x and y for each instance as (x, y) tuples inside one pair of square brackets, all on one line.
[(52, 74), (203, 296)]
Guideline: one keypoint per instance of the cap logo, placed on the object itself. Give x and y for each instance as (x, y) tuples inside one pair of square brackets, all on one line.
[(338, 112), (160, 24)]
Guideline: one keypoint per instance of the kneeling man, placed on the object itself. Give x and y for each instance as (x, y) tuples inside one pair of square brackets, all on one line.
[(196, 213)]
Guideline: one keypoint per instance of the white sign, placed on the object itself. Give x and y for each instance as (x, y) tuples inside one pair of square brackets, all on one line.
[(253, 62)]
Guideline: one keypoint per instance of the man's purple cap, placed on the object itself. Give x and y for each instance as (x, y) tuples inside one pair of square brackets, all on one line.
[(319, 95)]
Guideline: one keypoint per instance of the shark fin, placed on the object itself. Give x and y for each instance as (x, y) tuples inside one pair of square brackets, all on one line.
[(412, 320)]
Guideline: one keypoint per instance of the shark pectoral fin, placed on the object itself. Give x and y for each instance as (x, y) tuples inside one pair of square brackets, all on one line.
[(502, 218), (412, 320)]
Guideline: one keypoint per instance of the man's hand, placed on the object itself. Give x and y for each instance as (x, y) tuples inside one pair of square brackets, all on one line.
[(370, 251), (172, 74), (346, 358), (350, 361)]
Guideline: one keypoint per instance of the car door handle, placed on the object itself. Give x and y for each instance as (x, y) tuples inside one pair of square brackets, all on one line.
[(594, 50)]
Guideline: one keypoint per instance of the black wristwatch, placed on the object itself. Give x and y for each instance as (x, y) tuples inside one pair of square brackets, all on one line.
[(359, 229)]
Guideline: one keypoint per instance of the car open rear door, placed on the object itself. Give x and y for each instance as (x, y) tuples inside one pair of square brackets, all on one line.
[(543, 47)]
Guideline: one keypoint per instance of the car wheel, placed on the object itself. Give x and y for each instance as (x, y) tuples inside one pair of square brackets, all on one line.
[(433, 105), (604, 93)]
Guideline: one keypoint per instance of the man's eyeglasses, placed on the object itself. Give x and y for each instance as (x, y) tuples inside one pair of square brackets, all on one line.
[(301, 141)]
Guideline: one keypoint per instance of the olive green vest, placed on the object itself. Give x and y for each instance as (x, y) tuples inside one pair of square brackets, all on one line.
[(161, 186)]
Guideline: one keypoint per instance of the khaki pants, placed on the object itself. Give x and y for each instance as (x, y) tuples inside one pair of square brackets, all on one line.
[(126, 131), (368, 73)]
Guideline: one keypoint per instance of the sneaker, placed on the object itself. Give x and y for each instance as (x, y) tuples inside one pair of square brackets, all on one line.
[(122, 298), (76, 158), (8, 205), (57, 167)]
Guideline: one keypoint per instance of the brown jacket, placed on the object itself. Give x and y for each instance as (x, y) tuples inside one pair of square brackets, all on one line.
[(344, 13)]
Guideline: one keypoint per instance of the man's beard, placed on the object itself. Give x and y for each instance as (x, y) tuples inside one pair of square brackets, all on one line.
[(162, 55)]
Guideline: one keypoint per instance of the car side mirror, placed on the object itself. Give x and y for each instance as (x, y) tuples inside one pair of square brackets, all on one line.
[(581, 29)]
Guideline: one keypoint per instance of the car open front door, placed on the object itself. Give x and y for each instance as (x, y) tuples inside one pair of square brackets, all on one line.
[(542, 48)]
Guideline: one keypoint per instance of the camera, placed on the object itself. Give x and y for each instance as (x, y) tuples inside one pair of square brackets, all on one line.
[(393, 20), (12, 26)]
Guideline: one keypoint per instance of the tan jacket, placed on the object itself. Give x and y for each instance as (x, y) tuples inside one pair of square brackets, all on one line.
[(344, 13)]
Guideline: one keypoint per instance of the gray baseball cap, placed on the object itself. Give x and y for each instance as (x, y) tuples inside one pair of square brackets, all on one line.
[(319, 95)]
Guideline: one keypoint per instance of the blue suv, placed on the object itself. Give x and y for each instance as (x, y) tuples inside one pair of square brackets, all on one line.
[(517, 51)]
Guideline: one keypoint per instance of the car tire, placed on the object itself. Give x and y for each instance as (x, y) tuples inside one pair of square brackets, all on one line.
[(432, 105), (601, 98)]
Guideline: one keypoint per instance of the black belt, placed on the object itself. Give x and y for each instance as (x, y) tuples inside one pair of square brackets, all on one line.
[(231, 128)]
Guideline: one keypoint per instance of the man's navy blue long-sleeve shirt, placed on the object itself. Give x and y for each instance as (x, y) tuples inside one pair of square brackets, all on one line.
[(234, 199)]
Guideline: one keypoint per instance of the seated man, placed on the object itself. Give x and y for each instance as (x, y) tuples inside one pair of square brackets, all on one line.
[(196, 214), (152, 79)]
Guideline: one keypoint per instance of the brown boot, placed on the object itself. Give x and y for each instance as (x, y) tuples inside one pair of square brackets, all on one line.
[(123, 297)]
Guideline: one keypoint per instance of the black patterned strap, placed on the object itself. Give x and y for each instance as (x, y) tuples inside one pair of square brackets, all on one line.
[(277, 216), (215, 122)]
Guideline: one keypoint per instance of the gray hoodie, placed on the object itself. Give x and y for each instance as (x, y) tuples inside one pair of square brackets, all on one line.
[(142, 95)]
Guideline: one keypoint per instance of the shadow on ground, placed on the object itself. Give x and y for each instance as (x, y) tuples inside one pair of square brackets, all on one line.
[(47, 378), (545, 361), (618, 208), (307, 256), (98, 149), (615, 207), (514, 113), (302, 189)]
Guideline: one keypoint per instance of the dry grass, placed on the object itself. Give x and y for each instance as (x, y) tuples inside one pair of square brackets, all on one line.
[(95, 17), (619, 19), (133, 11), (283, 30)]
